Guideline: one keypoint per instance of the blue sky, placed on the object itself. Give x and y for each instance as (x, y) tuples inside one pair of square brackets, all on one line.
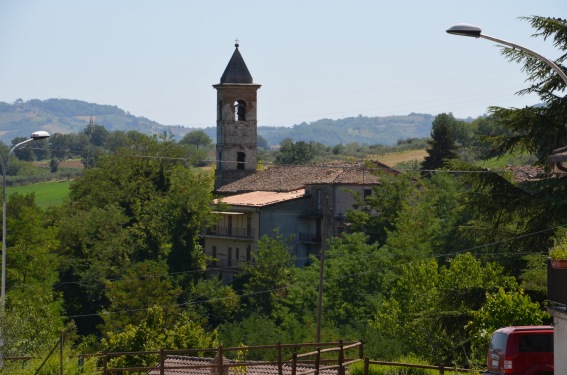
[(314, 59)]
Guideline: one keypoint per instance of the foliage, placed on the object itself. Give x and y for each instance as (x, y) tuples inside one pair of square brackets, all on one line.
[(537, 130), (196, 138), (294, 153), (429, 306), (559, 250), (442, 145), (502, 309), (269, 275), (154, 332), (33, 307)]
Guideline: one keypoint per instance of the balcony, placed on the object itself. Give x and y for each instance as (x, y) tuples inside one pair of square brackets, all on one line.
[(556, 282), (231, 232), (309, 238)]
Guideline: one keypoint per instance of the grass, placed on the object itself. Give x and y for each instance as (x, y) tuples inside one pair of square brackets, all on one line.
[(46, 193), (393, 158)]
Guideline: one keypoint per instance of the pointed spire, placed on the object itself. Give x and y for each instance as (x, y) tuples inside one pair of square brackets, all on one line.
[(236, 70)]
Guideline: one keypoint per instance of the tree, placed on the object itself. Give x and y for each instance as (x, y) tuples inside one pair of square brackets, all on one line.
[(297, 153), (442, 145), (269, 275), (140, 204), (196, 138), (153, 333), (33, 307), (24, 153), (502, 309), (144, 284), (539, 129)]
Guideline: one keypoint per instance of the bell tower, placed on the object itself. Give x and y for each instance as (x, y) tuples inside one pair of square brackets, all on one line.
[(237, 145)]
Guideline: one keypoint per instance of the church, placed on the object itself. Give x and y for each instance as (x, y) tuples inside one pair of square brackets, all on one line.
[(306, 203)]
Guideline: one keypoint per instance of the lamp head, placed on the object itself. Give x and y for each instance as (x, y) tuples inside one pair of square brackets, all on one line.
[(39, 135), (465, 30)]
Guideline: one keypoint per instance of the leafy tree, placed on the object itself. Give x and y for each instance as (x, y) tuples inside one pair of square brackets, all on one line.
[(297, 153), (153, 333), (33, 308), (269, 275), (429, 306), (196, 138), (25, 152), (134, 206), (262, 142), (144, 284), (502, 309), (442, 145)]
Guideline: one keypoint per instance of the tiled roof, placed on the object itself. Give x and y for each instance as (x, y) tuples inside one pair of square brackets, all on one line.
[(257, 369), (262, 198), (524, 173), (296, 177)]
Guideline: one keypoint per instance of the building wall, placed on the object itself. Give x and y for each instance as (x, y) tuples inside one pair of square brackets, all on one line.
[(559, 340), (235, 135), (284, 217)]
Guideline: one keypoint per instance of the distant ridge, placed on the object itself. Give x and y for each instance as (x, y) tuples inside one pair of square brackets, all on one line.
[(64, 116)]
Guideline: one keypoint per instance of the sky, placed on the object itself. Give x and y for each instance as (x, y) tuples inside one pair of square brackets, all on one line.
[(314, 58)]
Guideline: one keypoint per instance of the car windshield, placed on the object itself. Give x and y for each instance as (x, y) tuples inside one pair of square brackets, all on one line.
[(498, 342)]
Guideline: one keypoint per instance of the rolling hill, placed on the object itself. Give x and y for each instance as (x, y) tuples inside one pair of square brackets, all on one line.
[(20, 119)]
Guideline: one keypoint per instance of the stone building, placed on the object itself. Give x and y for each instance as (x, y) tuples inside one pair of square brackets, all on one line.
[(305, 202), (237, 150)]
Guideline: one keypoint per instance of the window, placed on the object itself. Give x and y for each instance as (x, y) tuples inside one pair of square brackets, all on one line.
[(366, 193), (214, 256), (240, 160), (248, 227), (319, 199), (229, 257), (237, 257), (536, 343), (240, 110), (229, 229)]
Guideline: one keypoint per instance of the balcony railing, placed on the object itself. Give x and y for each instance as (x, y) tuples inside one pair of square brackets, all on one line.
[(309, 238), (232, 232), (556, 284)]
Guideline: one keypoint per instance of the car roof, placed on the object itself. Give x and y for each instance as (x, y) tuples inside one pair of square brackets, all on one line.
[(524, 328)]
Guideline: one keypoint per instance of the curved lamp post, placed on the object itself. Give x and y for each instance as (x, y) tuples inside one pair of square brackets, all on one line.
[(476, 32), (34, 137)]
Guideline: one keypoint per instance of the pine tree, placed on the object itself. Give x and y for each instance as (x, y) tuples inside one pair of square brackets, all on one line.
[(442, 145)]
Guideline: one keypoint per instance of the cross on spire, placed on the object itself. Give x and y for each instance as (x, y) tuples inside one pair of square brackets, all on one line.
[(236, 43)]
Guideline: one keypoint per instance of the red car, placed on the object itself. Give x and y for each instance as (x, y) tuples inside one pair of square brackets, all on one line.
[(525, 350)]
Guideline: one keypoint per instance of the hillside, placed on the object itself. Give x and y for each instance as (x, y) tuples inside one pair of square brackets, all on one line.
[(64, 116), (20, 119)]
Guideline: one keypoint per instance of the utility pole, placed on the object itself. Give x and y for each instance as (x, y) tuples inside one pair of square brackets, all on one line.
[(322, 268)]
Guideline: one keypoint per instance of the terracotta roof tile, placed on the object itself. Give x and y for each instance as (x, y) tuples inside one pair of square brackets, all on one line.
[(289, 178), (257, 369), (262, 198)]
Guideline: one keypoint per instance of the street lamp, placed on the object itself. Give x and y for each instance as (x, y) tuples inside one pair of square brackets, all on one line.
[(476, 32), (34, 137)]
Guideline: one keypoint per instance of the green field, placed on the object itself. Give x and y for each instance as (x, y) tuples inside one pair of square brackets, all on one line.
[(46, 194)]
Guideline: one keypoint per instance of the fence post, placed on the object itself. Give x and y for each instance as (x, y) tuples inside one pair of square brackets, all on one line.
[(361, 350), (441, 369), (279, 353), (341, 358), (220, 361), (317, 360), (161, 362), (293, 363), (366, 365)]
